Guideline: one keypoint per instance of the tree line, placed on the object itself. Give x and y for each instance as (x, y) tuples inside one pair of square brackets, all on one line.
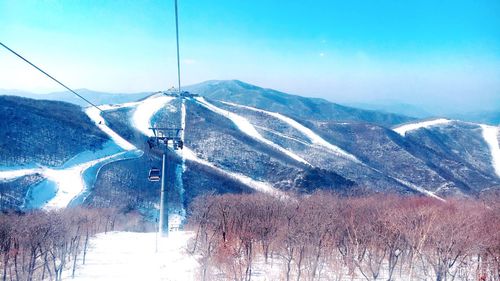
[(324, 236), (40, 245)]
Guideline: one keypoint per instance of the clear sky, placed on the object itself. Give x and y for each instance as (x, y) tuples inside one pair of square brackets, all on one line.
[(416, 51)]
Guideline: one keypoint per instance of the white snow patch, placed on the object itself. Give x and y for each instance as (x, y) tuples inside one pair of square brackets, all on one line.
[(418, 188), (282, 135), (246, 127), (183, 118), (95, 115), (141, 118), (13, 174), (105, 107), (69, 182), (254, 184), (123, 256), (312, 136), (403, 129), (490, 135)]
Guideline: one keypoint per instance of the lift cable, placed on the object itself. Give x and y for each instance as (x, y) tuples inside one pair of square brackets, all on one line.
[(178, 56), (48, 75)]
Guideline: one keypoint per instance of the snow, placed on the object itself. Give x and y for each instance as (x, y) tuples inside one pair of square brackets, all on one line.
[(490, 135), (254, 184), (131, 256), (70, 182), (183, 118), (95, 115), (418, 188), (65, 183), (312, 136), (246, 127), (105, 107), (141, 118), (282, 135), (402, 130), (13, 174)]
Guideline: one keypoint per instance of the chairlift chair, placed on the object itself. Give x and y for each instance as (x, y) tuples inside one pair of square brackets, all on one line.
[(154, 174)]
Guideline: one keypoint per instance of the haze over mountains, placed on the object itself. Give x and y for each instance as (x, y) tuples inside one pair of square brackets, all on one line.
[(238, 90), (239, 138)]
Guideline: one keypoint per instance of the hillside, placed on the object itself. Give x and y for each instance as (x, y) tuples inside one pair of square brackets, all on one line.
[(234, 147), (291, 105), (44, 132)]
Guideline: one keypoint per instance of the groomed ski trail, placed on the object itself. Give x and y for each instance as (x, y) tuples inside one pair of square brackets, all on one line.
[(311, 135), (253, 184), (143, 113), (490, 135), (95, 115), (246, 127), (403, 129)]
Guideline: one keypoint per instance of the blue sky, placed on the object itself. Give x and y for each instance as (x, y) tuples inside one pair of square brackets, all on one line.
[(444, 53)]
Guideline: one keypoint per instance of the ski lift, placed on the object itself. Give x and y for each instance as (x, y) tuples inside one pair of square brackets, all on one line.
[(154, 174)]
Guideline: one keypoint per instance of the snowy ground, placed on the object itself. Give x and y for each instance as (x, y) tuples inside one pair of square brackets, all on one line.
[(402, 130), (131, 256)]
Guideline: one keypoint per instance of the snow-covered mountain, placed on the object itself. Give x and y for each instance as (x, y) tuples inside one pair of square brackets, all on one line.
[(238, 138)]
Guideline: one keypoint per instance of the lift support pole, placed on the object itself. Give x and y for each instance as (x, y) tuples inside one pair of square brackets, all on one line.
[(163, 224)]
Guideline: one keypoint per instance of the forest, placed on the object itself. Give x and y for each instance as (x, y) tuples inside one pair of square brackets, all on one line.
[(324, 236), (40, 245)]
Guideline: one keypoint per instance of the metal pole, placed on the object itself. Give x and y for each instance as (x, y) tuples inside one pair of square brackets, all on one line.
[(178, 56), (163, 198), (156, 236)]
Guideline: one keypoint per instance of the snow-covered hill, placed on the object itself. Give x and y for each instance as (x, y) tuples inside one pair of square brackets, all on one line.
[(244, 144)]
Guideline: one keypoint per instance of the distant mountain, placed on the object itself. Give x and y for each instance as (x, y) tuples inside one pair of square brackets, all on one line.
[(491, 117), (291, 105), (93, 96), (487, 117), (394, 107)]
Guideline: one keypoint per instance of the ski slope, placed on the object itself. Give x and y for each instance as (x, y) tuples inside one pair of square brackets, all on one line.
[(8, 175), (312, 136), (105, 107), (95, 115), (70, 182), (143, 113), (402, 130), (418, 188), (253, 184), (246, 127), (65, 183), (123, 256), (490, 135)]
